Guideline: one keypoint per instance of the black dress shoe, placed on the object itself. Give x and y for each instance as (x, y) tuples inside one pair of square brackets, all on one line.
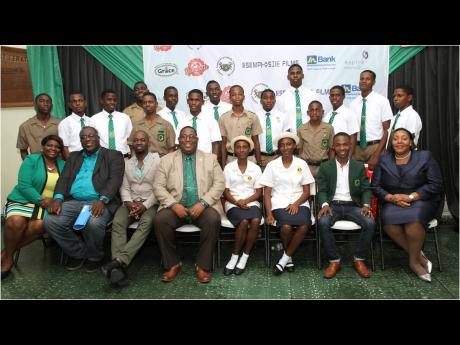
[(278, 269), (238, 271), (228, 271), (117, 275), (6, 274), (108, 267), (289, 267)]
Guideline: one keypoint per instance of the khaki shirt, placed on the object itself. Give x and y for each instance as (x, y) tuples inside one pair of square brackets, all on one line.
[(161, 134), (32, 131), (315, 142), (231, 126), (136, 112)]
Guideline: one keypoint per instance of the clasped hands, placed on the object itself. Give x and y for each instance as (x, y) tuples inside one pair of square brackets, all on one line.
[(182, 212), (135, 209), (401, 200)]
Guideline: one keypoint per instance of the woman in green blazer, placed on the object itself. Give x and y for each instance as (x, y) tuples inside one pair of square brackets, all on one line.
[(26, 204)]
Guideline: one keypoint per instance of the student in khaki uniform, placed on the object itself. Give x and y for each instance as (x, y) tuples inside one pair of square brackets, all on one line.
[(238, 122), (316, 138), (135, 111), (161, 133), (32, 131)]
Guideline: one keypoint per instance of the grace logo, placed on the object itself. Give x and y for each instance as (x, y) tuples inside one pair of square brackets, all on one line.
[(166, 70), (365, 54), (257, 91), (225, 66), (162, 48), (196, 67)]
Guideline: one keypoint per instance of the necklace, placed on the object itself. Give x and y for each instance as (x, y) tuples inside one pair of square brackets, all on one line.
[(50, 169), (404, 156)]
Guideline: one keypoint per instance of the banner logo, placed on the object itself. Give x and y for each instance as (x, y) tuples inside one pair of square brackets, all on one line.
[(162, 48), (225, 66), (351, 89), (312, 60), (166, 70), (225, 96), (257, 91), (365, 54), (194, 47), (196, 67)]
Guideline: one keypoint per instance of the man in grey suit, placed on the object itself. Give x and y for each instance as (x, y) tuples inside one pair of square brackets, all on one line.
[(139, 204), (91, 176), (188, 185)]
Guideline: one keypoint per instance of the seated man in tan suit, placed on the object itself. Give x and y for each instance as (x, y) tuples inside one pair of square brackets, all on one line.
[(188, 185), (139, 204)]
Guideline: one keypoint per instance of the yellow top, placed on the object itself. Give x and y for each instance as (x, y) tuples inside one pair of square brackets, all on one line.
[(48, 191)]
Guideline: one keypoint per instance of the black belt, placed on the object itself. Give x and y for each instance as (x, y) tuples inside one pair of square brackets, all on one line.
[(316, 163), (371, 142), (268, 154), (127, 155), (343, 203)]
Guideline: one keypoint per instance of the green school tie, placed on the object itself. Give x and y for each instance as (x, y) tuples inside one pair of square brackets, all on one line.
[(173, 113), (194, 123), (82, 122), (396, 120), (112, 145), (362, 129), (216, 113), (268, 134), (298, 109), (332, 117)]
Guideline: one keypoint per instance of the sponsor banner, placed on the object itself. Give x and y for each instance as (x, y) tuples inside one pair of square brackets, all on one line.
[(258, 67)]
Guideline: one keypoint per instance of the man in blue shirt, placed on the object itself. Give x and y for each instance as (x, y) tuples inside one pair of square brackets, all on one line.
[(92, 177)]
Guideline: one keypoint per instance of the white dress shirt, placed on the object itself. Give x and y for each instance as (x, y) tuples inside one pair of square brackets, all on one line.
[(286, 104), (279, 124), (208, 131), (165, 113), (378, 110), (69, 131), (344, 121), (223, 107), (287, 183), (241, 185), (410, 120), (342, 189), (121, 124)]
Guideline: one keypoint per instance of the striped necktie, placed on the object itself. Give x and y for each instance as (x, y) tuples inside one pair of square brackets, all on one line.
[(298, 109), (112, 145), (396, 120), (82, 122), (194, 123), (173, 113), (216, 113), (268, 134), (362, 129), (332, 117)]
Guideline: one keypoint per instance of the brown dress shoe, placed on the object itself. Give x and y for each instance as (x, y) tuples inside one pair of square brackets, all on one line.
[(361, 268), (332, 269), (171, 274), (202, 275)]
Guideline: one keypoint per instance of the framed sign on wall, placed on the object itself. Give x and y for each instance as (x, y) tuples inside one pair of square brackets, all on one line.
[(16, 85)]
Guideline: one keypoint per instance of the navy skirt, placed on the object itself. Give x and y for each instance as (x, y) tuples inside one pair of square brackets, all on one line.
[(303, 217), (235, 215), (420, 211)]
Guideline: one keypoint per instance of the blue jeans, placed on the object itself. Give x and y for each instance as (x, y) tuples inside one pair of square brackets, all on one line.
[(60, 228), (352, 213)]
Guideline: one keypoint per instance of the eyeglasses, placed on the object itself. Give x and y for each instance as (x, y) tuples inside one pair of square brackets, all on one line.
[(188, 137)]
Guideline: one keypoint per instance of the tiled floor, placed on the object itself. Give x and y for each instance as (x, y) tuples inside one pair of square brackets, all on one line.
[(39, 276)]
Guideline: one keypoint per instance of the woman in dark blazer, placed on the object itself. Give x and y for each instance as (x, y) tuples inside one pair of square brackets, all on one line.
[(409, 184), (25, 208)]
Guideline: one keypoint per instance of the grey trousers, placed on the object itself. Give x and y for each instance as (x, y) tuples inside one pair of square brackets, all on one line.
[(122, 248), (166, 222)]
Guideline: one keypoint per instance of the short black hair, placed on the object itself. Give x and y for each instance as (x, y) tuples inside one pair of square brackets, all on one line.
[(234, 86), (86, 127), (106, 91), (341, 134), (55, 138), (169, 88), (265, 91), (210, 82), (77, 93), (188, 127), (198, 91), (150, 94), (138, 82), (315, 101), (338, 87), (43, 94), (295, 65), (369, 71), (406, 88)]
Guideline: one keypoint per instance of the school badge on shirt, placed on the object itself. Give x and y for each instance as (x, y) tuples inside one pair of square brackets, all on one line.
[(161, 134), (247, 132), (325, 143), (357, 183), (249, 179), (299, 170)]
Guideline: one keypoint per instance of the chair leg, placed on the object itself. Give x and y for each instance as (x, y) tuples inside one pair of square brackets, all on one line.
[(16, 258), (372, 257), (318, 249), (381, 247), (218, 252), (267, 247), (435, 231), (44, 242)]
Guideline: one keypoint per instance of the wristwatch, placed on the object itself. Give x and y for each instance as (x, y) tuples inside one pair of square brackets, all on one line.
[(411, 197), (367, 205)]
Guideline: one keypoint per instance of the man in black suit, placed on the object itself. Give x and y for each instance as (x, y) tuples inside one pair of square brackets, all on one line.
[(92, 177)]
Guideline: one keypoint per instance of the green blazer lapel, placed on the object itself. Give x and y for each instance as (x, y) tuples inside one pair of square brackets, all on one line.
[(353, 179), (333, 177)]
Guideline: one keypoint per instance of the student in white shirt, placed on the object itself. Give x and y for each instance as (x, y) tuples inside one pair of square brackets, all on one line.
[(214, 106), (287, 103), (341, 117), (170, 113), (69, 128), (273, 123), (374, 122), (207, 130), (241, 206), (286, 181), (122, 125), (406, 117)]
